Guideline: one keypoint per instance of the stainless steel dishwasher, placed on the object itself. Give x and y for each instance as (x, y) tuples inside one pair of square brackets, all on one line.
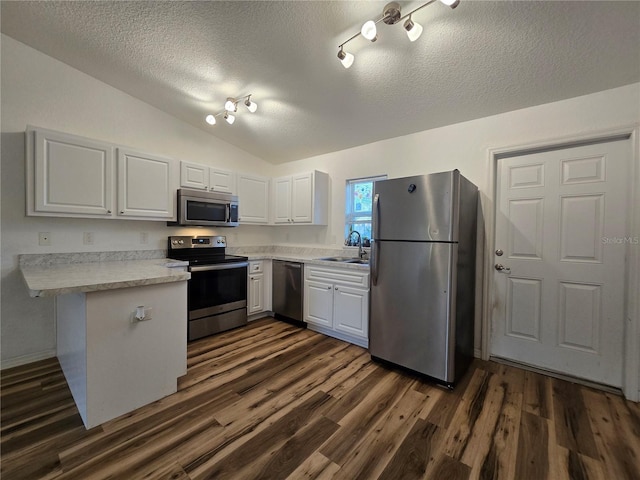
[(288, 290)]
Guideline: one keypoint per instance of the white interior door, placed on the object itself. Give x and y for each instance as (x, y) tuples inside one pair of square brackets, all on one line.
[(561, 228)]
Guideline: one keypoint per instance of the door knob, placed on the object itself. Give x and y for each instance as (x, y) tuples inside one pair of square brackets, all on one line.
[(502, 268), (499, 252)]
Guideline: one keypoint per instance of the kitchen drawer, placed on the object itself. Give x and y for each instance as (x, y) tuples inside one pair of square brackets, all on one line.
[(256, 267), (340, 276)]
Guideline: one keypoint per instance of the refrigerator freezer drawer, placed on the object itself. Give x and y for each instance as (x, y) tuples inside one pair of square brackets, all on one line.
[(412, 314)]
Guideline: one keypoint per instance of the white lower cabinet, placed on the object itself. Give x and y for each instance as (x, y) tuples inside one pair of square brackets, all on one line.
[(259, 287), (336, 303)]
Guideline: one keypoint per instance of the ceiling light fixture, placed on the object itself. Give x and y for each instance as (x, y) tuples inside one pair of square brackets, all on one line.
[(391, 15), (345, 57), (231, 107)]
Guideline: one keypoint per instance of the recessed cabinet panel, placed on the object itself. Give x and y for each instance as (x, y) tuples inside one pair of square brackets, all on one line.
[(144, 185), (72, 174)]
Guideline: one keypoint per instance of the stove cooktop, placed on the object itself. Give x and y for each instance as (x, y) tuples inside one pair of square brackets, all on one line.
[(201, 250)]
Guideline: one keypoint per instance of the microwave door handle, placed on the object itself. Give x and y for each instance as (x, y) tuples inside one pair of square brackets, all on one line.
[(228, 210)]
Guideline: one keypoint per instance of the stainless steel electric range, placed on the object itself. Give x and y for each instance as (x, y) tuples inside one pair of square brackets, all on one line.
[(217, 291)]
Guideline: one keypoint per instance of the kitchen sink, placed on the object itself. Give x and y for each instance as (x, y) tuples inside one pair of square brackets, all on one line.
[(345, 260), (337, 259)]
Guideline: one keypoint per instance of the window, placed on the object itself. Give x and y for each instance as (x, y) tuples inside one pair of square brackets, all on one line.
[(359, 197)]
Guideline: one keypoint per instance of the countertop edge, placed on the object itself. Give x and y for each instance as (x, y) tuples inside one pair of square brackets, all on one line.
[(100, 287), (307, 260)]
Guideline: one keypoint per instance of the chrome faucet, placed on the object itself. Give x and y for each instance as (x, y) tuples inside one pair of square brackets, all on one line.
[(361, 252)]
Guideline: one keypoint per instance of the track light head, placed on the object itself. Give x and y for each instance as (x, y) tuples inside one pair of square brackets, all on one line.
[(229, 118), (414, 30), (251, 106), (369, 31), (451, 3), (345, 57), (231, 105), (210, 119)]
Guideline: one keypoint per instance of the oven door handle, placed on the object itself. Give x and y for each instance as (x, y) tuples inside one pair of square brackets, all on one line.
[(222, 266)]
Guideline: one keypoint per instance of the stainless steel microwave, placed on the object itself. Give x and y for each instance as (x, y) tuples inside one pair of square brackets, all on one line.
[(199, 208)]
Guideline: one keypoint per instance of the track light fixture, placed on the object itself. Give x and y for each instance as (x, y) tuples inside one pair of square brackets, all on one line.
[(391, 15), (231, 107)]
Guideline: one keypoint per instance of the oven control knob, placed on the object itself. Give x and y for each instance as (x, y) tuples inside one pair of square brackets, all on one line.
[(180, 242)]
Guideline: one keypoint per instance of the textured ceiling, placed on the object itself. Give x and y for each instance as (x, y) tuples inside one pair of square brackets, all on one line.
[(480, 59)]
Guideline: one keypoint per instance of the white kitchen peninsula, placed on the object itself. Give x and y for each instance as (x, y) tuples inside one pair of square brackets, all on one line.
[(113, 362)]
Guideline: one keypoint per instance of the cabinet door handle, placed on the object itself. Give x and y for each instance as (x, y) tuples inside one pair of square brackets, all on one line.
[(328, 288), (336, 288), (108, 211), (121, 212)]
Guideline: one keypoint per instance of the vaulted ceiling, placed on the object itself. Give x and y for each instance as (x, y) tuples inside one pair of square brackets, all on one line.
[(479, 59)]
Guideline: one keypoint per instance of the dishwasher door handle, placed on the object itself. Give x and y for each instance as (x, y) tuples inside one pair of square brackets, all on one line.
[(293, 265)]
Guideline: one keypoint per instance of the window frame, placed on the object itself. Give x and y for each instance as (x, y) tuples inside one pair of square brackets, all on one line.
[(362, 217)]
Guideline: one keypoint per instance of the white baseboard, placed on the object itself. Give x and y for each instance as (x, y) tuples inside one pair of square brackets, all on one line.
[(258, 316), (24, 359)]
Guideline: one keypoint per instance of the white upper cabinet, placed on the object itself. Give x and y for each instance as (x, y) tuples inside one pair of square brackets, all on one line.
[(193, 175), (145, 187), (302, 198), (203, 177), (222, 181), (73, 175), (253, 197)]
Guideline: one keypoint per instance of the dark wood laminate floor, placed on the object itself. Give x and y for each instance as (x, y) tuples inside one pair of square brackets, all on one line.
[(274, 401)]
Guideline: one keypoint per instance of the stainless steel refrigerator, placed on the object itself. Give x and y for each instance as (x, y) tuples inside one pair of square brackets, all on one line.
[(423, 274)]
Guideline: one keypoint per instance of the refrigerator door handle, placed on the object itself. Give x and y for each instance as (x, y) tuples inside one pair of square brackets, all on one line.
[(374, 246)]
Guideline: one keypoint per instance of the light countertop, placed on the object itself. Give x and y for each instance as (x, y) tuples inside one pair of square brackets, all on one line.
[(51, 280), (307, 260)]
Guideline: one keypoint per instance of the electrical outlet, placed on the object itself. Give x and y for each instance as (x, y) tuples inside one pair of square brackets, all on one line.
[(144, 238), (87, 238), (44, 239)]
